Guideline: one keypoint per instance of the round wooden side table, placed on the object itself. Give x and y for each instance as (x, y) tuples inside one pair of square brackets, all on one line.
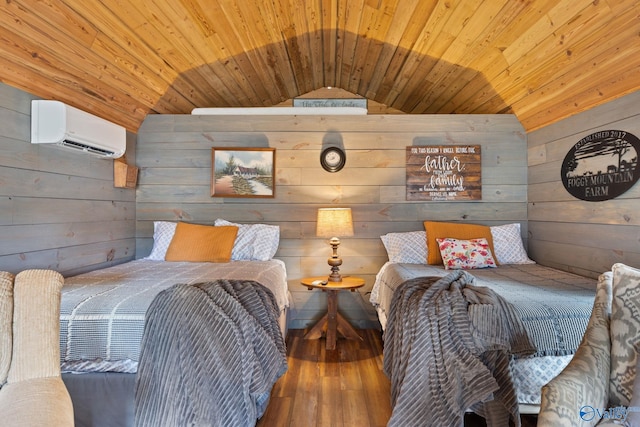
[(332, 322)]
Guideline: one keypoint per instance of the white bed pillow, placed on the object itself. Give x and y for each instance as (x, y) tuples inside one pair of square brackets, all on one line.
[(254, 242), (409, 247), (163, 232), (508, 246)]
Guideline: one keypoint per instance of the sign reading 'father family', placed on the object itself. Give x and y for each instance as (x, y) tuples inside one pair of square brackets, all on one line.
[(444, 172), (601, 166)]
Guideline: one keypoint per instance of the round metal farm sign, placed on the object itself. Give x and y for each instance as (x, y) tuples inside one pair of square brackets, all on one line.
[(601, 166)]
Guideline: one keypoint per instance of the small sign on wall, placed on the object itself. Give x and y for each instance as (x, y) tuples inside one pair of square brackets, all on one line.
[(601, 166), (330, 102), (444, 173)]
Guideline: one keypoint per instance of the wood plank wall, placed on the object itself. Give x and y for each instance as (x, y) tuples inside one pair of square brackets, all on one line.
[(568, 233), (174, 154), (58, 209)]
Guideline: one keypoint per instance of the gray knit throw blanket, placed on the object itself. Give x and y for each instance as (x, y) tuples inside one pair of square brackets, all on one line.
[(210, 355), (447, 348)]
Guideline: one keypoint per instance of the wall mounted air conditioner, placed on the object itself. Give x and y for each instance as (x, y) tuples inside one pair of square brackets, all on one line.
[(53, 122)]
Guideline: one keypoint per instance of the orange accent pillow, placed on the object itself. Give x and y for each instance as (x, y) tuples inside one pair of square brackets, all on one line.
[(201, 243), (452, 230)]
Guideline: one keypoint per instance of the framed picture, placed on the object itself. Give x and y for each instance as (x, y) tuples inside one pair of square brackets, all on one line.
[(444, 172), (243, 172)]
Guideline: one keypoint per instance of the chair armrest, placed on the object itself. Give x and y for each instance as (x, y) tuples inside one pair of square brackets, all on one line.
[(36, 325), (584, 383)]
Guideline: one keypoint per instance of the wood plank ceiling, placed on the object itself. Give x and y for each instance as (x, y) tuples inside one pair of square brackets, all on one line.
[(542, 60)]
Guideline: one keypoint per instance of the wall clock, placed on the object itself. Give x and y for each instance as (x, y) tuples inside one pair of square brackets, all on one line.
[(333, 159)]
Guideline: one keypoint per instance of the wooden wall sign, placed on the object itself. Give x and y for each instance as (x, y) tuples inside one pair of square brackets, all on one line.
[(444, 173), (330, 102), (601, 166)]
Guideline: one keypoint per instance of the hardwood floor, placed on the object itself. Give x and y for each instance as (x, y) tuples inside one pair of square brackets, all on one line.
[(341, 387), (345, 387)]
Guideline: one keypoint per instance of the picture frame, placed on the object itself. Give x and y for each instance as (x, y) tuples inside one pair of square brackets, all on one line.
[(444, 173), (243, 172)]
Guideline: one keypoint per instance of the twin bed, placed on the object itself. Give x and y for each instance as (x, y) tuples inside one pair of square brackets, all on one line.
[(553, 306), (103, 312)]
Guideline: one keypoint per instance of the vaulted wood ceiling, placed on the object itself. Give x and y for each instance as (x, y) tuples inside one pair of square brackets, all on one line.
[(542, 60)]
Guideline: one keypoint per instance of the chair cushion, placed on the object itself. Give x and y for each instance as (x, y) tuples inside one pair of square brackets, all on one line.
[(6, 324), (625, 332)]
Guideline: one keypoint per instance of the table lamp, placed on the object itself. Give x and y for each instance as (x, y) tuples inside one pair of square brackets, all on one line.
[(334, 222)]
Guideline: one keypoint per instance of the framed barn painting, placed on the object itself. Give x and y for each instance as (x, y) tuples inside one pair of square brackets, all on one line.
[(243, 172)]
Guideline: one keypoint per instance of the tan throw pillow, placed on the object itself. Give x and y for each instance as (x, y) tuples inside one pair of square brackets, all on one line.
[(201, 243), (452, 230)]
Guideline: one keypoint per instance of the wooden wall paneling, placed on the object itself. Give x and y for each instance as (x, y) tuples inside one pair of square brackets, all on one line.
[(582, 260), (15, 124), (38, 237), (42, 210), (58, 209), (576, 235), (194, 124), (6, 210), (622, 238), (28, 183), (173, 158), (72, 260), (621, 211)]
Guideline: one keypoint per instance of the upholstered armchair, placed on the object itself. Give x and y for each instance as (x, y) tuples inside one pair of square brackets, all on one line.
[(32, 392), (598, 386)]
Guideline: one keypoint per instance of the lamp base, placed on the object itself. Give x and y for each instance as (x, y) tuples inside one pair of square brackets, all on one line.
[(335, 261), (335, 275)]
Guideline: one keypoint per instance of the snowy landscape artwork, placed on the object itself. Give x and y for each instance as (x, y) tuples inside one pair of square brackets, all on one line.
[(243, 172)]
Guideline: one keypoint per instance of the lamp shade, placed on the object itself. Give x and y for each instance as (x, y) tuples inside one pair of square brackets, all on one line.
[(334, 222)]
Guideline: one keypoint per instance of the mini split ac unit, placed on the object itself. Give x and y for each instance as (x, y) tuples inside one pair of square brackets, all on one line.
[(53, 122)]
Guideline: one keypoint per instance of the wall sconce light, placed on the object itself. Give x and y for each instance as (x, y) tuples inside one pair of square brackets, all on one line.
[(332, 223)]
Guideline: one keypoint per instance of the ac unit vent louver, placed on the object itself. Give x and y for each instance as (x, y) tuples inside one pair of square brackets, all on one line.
[(84, 147)]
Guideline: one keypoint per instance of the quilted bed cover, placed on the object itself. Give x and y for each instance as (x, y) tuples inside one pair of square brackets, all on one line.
[(554, 305), (103, 312)]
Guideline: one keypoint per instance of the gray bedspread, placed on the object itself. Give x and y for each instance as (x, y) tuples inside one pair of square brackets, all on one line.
[(102, 312), (447, 348), (210, 355), (554, 305)]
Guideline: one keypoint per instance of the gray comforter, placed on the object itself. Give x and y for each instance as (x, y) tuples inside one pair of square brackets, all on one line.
[(447, 347), (210, 355)]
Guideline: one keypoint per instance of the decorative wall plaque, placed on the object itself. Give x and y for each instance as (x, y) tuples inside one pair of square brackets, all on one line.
[(601, 166), (444, 172), (330, 102)]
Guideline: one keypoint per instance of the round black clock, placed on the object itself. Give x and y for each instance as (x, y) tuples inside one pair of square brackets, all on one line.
[(333, 159)]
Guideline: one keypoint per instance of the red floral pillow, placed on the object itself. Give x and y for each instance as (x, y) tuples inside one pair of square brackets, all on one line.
[(465, 254)]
